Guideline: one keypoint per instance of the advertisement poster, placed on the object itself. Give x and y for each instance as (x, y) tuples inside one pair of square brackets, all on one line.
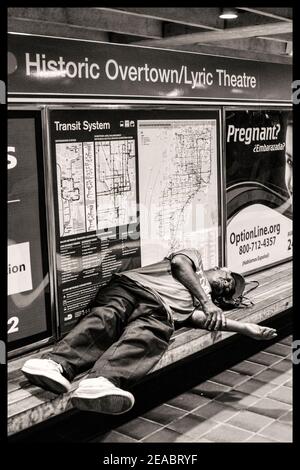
[(95, 181), (178, 177), (27, 274), (259, 158)]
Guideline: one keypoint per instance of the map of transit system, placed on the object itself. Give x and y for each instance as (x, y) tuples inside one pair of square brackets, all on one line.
[(116, 187), (102, 229), (97, 182), (178, 174)]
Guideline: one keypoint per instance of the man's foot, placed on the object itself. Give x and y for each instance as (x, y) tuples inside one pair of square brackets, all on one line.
[(102, 396), (259, 332), (47, 374)]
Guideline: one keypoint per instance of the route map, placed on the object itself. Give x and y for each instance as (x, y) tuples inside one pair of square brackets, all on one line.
[(116, 187), (71, 203), (97, 184), (178, 174)]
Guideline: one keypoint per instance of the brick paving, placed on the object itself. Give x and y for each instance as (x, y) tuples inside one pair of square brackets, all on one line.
[(250, 402)]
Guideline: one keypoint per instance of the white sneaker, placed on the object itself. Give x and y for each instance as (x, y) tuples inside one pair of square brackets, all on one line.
[(47, 374), (100, 395)]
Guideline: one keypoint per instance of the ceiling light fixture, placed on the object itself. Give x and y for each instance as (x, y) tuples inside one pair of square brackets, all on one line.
[(228, 14)]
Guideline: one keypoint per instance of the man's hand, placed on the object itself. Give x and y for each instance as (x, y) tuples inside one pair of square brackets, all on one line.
[(215, 318)]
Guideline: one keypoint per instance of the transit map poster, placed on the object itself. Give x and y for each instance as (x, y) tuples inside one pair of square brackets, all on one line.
[(178, 168), (259, 159), (95, 186), (130, 186)]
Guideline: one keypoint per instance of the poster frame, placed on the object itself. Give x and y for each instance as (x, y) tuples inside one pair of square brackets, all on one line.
[(253, 107), (48, 336), (135, 107)]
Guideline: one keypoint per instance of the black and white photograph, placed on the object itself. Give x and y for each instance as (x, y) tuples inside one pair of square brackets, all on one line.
[(150, 229)]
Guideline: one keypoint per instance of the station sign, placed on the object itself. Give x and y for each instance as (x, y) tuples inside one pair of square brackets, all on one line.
[(57, 67)]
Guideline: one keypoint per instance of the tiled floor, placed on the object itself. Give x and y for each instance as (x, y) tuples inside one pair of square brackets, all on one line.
[(251, 402)]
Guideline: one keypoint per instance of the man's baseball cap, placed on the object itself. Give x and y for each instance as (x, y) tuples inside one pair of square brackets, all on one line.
[(237, 297), (240, 284)]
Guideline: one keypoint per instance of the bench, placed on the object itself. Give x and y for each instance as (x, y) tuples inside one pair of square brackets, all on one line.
[(29, 405)]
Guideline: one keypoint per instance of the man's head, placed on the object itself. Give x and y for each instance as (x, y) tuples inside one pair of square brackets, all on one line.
[(227, 286)]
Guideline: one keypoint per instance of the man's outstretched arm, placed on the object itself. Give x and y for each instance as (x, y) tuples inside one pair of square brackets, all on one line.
[(183, 270)]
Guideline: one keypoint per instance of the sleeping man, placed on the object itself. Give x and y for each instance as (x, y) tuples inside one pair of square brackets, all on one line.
[(130, 325)]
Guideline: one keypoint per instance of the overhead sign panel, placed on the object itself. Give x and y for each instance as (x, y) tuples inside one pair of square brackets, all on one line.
[(48, 66)]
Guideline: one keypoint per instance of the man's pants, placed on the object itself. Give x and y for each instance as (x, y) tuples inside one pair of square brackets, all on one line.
[(122, 338)]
